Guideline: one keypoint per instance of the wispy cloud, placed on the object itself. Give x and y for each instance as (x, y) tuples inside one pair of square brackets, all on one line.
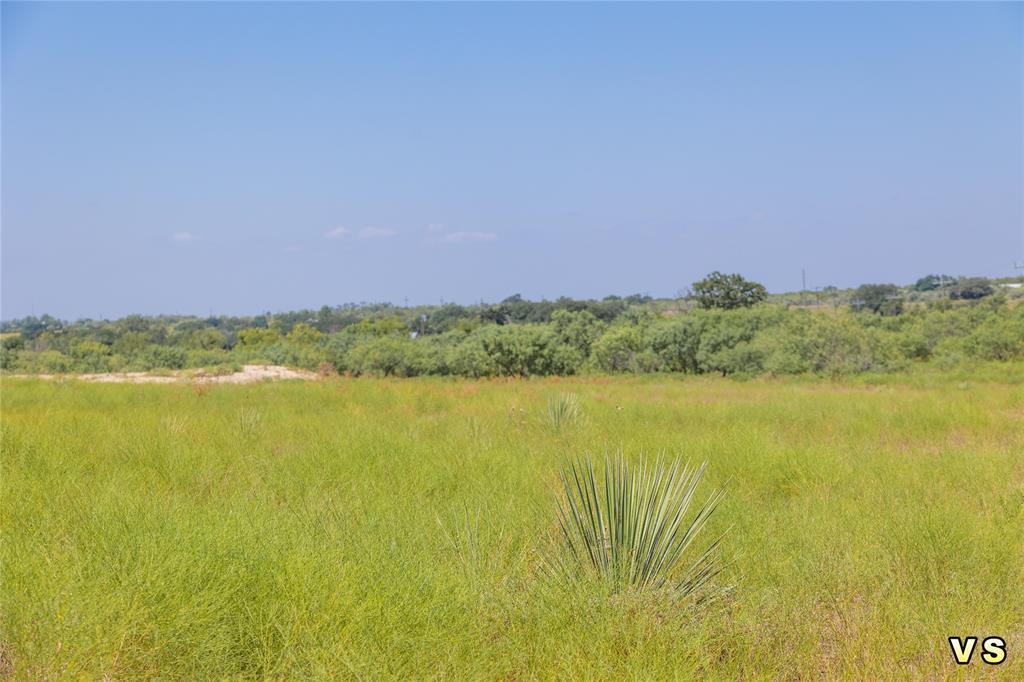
[(184, 237), (364, 233), (376, 232), (337, 233), (461, 237)]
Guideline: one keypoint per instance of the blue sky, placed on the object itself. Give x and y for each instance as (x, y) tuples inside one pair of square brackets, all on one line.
[(238, 158)]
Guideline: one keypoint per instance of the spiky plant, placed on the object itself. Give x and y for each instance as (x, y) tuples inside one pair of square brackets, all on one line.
[(249, 419), (564, 410), (632, 528)]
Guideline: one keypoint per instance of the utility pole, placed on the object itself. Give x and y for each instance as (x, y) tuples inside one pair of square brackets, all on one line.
[(803, 286)]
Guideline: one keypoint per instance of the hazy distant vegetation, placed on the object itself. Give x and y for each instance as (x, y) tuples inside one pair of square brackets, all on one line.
[(726, 325)]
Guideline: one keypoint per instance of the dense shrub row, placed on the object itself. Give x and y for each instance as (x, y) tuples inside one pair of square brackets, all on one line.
[(748, 341)]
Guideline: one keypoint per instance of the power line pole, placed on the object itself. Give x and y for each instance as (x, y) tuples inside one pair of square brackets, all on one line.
[(803, 286)]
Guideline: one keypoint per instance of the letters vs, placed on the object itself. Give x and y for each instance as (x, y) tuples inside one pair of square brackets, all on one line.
[(993, 649)]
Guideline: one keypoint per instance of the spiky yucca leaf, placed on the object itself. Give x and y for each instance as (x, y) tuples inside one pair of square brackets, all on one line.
[(565, 410), (632, 526)]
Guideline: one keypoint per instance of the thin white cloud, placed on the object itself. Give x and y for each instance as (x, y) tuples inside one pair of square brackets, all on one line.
[(376, 232), (461, 237), (337, 233), (184, 237)]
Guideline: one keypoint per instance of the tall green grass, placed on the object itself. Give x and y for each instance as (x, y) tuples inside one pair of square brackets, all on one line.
[(379, 529)]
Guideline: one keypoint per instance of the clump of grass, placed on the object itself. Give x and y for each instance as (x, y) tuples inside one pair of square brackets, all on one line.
[(173, 424), (564, 410), (249, 419), (631, 528)]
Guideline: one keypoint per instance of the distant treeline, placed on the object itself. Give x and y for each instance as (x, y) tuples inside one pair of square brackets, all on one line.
[(726, 325)]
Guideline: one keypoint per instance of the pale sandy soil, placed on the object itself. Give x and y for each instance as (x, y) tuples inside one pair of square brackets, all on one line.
[(249, 374)]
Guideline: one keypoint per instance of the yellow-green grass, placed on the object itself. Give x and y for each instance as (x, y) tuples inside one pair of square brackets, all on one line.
[(373, 529)]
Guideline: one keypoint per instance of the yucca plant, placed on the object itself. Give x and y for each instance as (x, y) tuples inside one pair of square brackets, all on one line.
[(632, 528), (564, 410), (249, 421)]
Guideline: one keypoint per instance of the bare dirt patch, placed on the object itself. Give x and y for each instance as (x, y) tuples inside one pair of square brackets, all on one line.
[(248, 374)]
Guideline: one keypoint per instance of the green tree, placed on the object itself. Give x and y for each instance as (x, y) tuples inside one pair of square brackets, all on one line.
[(882, 299), (932, 282), (727, 292), (971, 289)]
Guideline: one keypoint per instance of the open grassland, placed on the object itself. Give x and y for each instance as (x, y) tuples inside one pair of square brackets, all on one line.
[(374, 529)]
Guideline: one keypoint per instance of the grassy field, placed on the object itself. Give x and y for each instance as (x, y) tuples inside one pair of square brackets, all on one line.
[(372, 529)]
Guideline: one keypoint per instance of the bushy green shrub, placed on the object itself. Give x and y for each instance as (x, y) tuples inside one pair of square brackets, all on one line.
[(998, 338), (304, 335), (206, 339), (515, 350), (471, 359), (821, 343), (161, 357), (12, 342), (129, 343), (45, 362), (383, 356), (676, 343), (618, 349), (578, 329), (209, 358), (725, 341), (257, 336), (741, 341), (10, 359), (90, 356)]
